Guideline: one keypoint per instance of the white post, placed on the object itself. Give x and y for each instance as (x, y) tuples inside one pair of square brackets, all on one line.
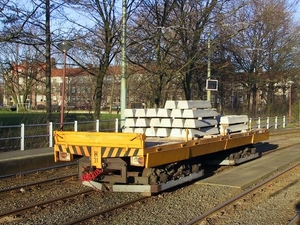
[(283, 122), (276, 122), (258, 121), (97, 125), (50, 134), (22, 143), (75, 126), (268, 122), (117, 125), (250, 124)]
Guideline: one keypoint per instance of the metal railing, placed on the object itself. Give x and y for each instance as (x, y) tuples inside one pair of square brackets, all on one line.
[(268, 122), (41, 135), (21, 137)]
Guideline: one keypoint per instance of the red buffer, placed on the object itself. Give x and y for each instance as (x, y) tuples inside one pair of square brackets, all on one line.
[(91, 175)]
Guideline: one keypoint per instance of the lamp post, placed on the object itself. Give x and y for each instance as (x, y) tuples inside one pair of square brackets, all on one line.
[(64, 47), (290, 82)]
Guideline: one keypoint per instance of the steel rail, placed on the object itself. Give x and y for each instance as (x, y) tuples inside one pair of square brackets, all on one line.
[(26, 208), (39, 170), (38, 182), (122, 205), (295, 220), (226, 203)]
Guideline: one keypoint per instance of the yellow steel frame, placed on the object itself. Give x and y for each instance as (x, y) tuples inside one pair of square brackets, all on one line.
[(99, 145), (165, 154)]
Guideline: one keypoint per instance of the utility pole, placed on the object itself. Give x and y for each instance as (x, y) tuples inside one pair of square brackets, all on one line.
[(208, 65), (123, 64)]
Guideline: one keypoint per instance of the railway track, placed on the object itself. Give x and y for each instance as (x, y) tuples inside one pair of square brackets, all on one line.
[(98, 213), (26, 173), (243, 198), (237, 198), (108, 210), (27, 185), (284, 132), (295, 220), (33, 206), (115, 208)]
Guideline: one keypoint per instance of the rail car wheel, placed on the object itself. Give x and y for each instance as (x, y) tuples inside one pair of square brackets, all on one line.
[(153, 179), (150, 173), (195, 168), (163, 177), (170, 172)]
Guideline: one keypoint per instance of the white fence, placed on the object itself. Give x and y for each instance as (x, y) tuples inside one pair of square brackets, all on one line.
[(268, 123), (50, 127)]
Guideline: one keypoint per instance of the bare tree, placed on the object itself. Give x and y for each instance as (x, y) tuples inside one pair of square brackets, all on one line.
[(262, 51), (169, 40), (28, 23), (97, 41), (22, 69), (13, 19)]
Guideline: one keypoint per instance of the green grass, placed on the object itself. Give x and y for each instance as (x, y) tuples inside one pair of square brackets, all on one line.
[(8, 118)]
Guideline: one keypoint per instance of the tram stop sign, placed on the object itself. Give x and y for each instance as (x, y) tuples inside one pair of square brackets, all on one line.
[(211, 85)]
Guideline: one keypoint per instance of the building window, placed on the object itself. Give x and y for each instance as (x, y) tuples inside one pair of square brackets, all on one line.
[(240, 99)]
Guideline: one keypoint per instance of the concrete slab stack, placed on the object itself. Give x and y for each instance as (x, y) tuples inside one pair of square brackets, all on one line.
[(233, 123), (176, 119), (180, 119)]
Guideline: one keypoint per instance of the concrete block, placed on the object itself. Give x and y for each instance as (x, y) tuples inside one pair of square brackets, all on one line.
[(199, 113), (176, 132), (178, 123), (176, 113), (128, 130), (139, 130), (151, 132), (142, 122), (183, 132), (130, 122), (151, 112), (163, 113), (224, 129), (166, 122), (171, 104), (129, 112), (194, 123), (233, 119), (140, 112), (193, 133), (163, 132), (155, 122), (210, 130), (193, 104), (199, 133)]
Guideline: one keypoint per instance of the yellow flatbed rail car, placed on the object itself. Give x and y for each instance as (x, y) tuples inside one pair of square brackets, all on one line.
[(127, 160), (99, 145)]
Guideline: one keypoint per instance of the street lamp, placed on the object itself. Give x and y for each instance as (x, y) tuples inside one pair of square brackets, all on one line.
[(64, 47), (290, 82)]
